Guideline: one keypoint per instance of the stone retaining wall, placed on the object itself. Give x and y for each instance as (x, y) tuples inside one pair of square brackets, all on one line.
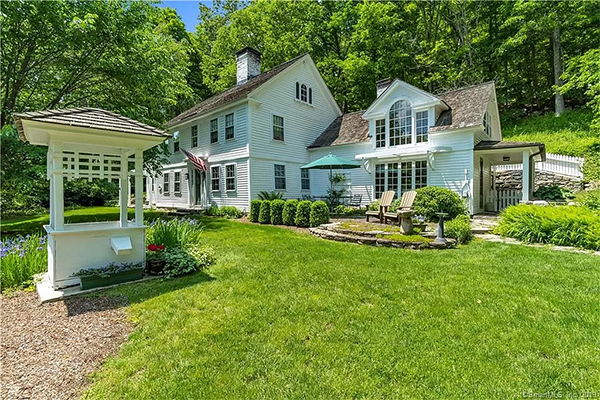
[(512, 180)]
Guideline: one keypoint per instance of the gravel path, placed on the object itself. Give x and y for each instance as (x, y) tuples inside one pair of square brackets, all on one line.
[(49, 350)]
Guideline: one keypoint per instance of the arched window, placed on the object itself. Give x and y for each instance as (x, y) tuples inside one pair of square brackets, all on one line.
[(297, 91), (309, 95), (400, 123), (303, 93)]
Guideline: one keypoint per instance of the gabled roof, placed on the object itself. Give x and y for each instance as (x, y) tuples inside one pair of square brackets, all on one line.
[(467, 107), (87, 117), (390, 89), (345, 129), (232, 94)]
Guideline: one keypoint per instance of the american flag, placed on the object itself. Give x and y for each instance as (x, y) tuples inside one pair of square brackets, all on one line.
[(197, 161)]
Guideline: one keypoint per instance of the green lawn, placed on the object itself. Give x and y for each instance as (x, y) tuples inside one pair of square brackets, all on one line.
[(284, 315), (34, 223)]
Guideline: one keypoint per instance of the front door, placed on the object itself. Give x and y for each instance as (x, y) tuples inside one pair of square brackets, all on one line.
[(198, 183)]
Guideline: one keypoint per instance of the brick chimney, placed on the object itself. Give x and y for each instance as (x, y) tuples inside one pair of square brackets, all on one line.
[(248, 64), (382, 85)]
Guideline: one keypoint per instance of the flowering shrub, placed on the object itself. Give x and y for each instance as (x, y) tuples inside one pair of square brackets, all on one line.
[(21, 258), (155, 252), (176, 232), (108, 270)]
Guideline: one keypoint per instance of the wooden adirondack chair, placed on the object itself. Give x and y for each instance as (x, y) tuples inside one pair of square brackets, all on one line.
[(404, 213), (384, 205)]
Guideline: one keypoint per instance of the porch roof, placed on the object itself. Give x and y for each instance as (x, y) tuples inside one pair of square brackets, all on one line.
[(500, 149)]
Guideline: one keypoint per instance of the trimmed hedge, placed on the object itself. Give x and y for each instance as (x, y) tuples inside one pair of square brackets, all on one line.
[(558, 225), (289, 212), (319, 213), (277, 211), (459, 228), (254, 210), (303, 213), (264, 217), (432, 199)]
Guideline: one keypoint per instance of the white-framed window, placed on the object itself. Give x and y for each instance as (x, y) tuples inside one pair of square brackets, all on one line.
[(380, 133), (379, 180), (214, 130), (309, 95), (166, 187), (406, 176), (177, 182), (422, 126), (278, 129), (175, 142), (229, 133), (215, 178), (279, 173), (195, 136), (487, 124), (400, 119), (230, 177), (392, 177), (420, 174), (303, 93), (305, 179)]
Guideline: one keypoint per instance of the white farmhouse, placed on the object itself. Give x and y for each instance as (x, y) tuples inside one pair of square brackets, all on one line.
[(256, 135)]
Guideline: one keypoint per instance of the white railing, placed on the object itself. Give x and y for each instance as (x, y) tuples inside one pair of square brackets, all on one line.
[(556, 163), (500, 199)]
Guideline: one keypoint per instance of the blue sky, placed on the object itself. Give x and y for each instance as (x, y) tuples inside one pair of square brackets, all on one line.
[(188, 11)]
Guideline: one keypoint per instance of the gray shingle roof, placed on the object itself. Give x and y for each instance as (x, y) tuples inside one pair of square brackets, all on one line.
[(87, 117), (496, 144), (467, 107), (232, 94), (345, 129)]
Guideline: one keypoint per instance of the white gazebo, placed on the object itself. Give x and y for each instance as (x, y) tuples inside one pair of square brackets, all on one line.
[(90, 143)]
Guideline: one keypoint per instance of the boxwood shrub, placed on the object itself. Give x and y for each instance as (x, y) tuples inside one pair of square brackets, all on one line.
[(254, 210), (558, 225), (303, 213), (264, 217), (289, 212), (277, 211), (459, 228), (432, 199), (319, 213)]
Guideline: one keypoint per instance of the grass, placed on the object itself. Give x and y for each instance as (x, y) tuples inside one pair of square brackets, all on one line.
[(368, 227), (286, 315), (397, 237), (35, 223)]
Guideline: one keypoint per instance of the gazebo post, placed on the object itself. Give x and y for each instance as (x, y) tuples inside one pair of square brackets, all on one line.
[(526, 180), (57, 210), (139, 176), (123, 192)]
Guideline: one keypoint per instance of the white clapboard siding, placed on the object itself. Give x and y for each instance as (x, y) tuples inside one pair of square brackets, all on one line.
[(555, 163)]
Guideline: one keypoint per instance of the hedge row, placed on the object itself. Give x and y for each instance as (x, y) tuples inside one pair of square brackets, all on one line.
[(291, 212)]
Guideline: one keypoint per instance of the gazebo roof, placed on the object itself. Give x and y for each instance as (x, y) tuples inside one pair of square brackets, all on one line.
[(86, 117)]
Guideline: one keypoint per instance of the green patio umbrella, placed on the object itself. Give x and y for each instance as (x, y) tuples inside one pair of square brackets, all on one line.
[(331, 162)]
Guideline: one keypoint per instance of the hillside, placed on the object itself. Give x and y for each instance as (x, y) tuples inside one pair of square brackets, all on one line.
[(570, 134)]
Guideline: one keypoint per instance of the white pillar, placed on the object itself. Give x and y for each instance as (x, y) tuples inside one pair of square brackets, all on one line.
[(56, 186), (139, 183), (123, 192), (526, 180)]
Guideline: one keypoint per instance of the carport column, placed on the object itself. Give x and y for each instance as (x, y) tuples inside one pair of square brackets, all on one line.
[(139, 183), (526, 180), (57, 209), (123, 192)]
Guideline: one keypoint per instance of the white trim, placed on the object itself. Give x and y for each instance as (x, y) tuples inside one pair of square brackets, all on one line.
[(273, 125), (218, 167), (234, 176), (284, 177), (217, 110), (369, 112), (232, 126)]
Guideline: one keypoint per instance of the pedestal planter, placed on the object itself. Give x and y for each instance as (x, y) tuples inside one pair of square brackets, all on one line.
[(155, 267), (94, 281)]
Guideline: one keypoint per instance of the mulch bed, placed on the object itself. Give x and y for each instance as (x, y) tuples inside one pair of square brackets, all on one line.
[(48, 350)]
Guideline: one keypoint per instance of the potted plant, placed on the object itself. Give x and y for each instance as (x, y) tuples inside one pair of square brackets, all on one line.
[(419, 223), (155, 259), (111, 274)]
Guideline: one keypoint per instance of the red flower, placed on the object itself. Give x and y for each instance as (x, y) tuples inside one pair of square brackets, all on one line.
[(160, 247), (152, 247)]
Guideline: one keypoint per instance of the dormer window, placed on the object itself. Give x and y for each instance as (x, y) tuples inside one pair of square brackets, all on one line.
[(303, 93), (487, 124), (400, 122)]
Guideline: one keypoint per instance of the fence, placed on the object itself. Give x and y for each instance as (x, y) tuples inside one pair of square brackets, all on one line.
[(555, 163), (500, 199)]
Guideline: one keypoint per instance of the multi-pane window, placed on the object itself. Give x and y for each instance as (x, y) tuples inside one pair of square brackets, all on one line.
[(487, 124), (166, 184), (229, 134), (422, 126), (297, 90), (305, 179), (420, 174), (177, 183), (303, 93), (175, 142), (380, 133), (230, 177), (400, 123), (405, 176), (277, 127), (195, 136), (214, 130), (379, 180), (215, 178), (279, 171), (392, 177), (309, 95)]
